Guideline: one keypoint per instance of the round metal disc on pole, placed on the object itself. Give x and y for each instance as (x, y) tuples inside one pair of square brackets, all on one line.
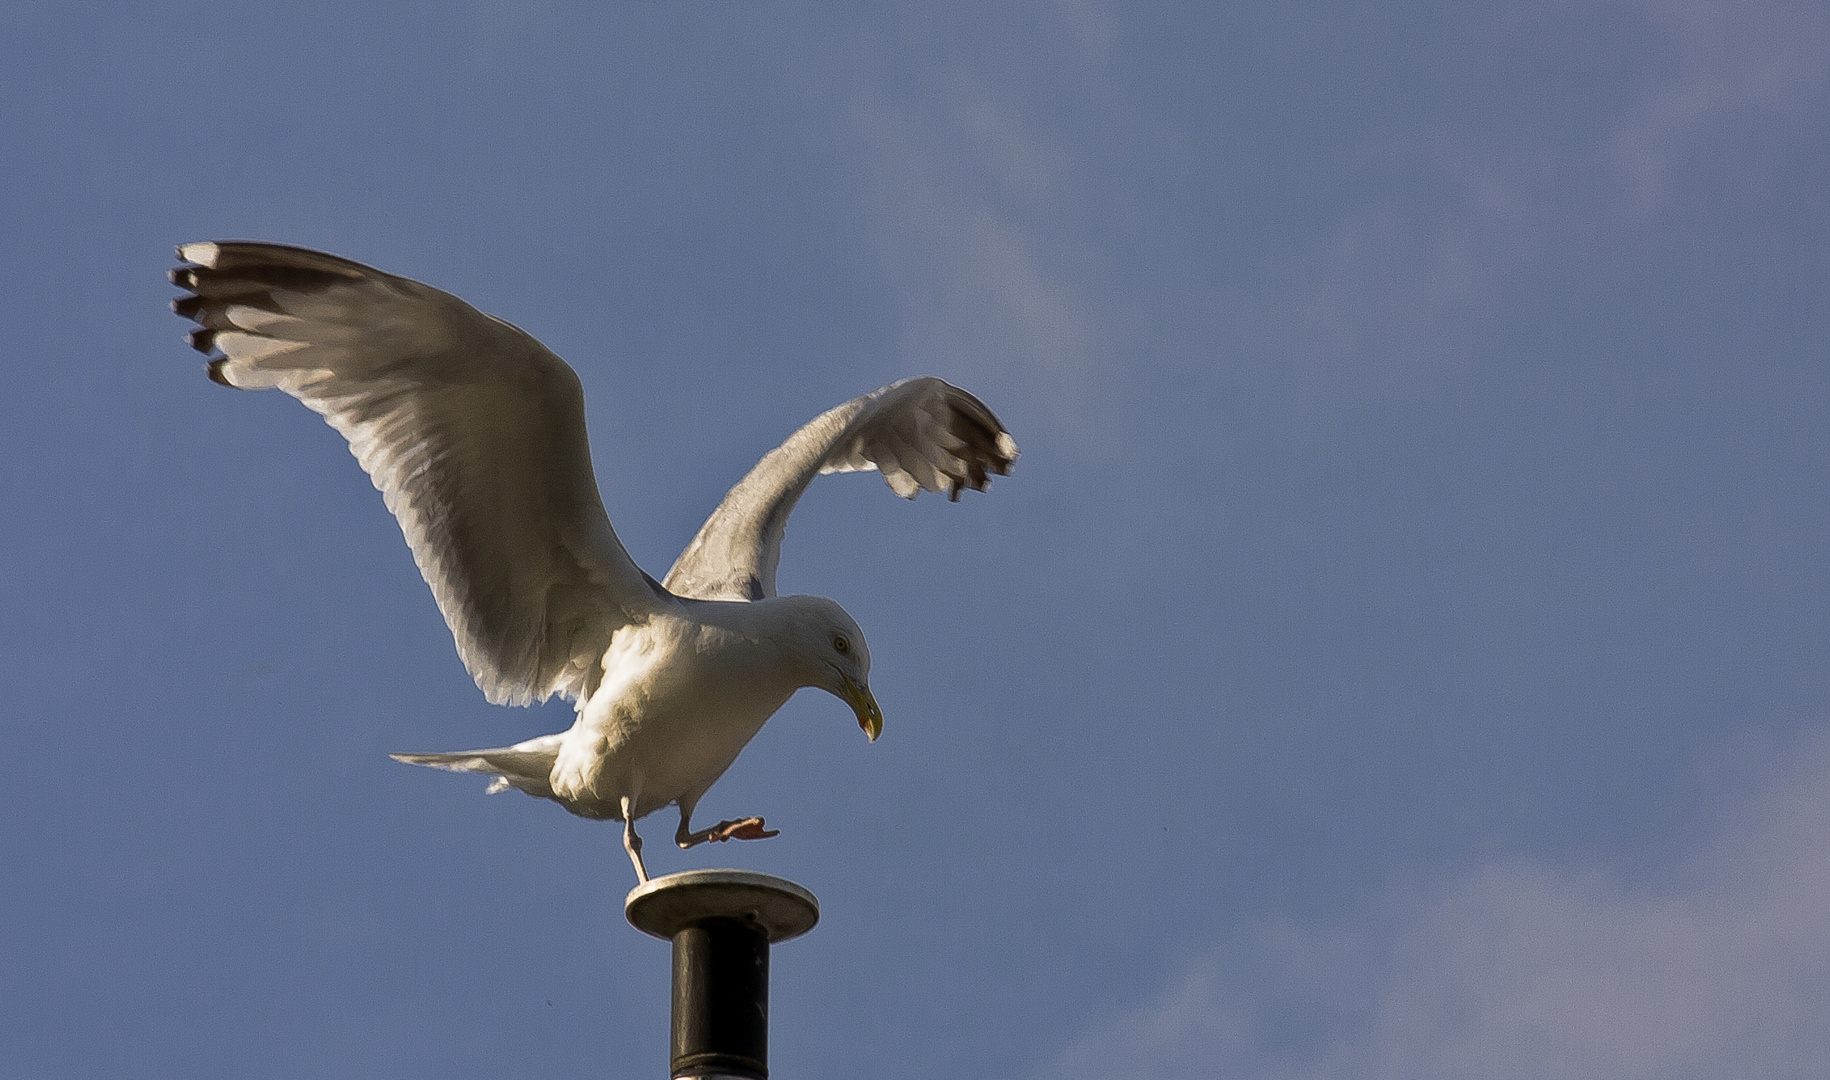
[(663, 905), (721, 923)]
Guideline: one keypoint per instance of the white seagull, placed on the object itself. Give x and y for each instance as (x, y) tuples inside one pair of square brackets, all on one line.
[(475, 435)]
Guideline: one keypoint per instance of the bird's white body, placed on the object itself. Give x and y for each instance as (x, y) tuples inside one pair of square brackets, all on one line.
[(681, 697), (474, 433)]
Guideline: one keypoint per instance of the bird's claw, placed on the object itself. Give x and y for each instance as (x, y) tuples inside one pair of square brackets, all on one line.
[(747, 829)]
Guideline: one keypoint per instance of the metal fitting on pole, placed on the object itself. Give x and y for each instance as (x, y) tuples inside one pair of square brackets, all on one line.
[(721, 923)]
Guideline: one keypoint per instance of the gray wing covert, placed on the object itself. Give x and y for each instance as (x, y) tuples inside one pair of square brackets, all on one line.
[(473, 432), (923, 434)]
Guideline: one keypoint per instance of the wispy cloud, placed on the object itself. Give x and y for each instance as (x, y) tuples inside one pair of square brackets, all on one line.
[(974, 282), (1528, 970), (968, 199), (1733, 57)]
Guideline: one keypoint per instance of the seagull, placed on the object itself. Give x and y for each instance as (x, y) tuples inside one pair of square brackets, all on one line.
[(474, 433)]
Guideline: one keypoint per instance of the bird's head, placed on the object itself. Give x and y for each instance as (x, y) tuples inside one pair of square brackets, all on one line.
[(830, 649)]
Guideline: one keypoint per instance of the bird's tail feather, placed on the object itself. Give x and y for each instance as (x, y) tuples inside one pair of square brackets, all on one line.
[(526, 766)]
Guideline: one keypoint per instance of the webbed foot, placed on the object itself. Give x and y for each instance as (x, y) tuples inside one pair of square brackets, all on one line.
[(746, 829)]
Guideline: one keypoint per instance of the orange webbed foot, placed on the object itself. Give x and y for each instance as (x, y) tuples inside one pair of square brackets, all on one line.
[(746, 829)]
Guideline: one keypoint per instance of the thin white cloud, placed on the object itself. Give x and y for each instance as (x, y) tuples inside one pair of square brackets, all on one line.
[(1525, 970), (977, 286), (970, 201), (1733, 57)]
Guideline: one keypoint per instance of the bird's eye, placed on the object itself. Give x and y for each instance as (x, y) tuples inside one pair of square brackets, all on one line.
[(839, 643)]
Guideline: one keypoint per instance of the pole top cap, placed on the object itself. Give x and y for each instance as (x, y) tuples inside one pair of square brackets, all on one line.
[(664, 906)]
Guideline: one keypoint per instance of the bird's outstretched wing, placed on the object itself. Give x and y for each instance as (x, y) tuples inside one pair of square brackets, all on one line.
[(922, 434), (473, 432)]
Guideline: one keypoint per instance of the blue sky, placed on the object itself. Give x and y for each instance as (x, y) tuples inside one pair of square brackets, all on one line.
[(1400, 651)]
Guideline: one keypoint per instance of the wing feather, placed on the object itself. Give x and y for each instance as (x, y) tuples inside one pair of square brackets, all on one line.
[(921, 434), (473, 432)]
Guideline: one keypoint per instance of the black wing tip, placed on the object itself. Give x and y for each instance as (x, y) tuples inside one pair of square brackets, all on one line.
[(214, 368), (988, 449)]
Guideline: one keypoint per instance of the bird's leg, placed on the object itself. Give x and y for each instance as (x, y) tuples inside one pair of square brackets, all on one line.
[(684, 835), (744, 829), (631, 842)]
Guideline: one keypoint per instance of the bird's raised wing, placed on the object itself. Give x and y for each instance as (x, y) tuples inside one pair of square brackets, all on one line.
[(922, 434), (473, 432)]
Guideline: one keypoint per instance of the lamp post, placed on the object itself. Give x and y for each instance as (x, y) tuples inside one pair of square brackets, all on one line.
[(721, 923)]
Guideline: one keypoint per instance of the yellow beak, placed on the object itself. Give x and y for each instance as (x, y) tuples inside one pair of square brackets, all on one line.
[(870, 717)]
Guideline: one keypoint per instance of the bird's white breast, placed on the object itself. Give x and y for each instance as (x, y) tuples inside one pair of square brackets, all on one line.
[(679, 700)]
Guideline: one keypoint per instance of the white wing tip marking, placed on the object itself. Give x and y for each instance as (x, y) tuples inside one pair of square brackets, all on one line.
[(203, 254), (1007, 445), (252, 348), (256, 319), (902, 483)]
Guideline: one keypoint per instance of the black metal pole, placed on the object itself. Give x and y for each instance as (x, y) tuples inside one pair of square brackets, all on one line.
[(721, 1000), (721, 923)]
